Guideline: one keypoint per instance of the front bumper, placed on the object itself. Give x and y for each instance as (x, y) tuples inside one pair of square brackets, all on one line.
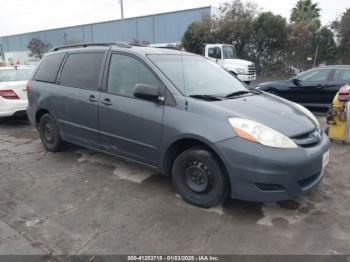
[(9, 108), (264, 174), (246, 78)]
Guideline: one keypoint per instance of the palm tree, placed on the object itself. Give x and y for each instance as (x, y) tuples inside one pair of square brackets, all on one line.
[(305, 10)]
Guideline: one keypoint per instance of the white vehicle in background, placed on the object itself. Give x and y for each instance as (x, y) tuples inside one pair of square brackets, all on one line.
[(13, 92), (226, 56)]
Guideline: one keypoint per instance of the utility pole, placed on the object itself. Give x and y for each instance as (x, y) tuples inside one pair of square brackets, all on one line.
[(122, 19), (316, 53)]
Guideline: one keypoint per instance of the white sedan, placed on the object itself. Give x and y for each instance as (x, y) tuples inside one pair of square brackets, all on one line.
[(13, 93)]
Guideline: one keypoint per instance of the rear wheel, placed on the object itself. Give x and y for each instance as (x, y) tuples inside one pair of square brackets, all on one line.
[(198, 178), (49, 133)]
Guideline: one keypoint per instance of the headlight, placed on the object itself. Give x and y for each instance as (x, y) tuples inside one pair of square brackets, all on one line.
[(308, 114), (260, 133), (240, 70)]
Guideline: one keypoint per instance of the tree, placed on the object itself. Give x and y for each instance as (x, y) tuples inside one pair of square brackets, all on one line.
[(136, 41), (305, 10), (327, 48), (198, 34), (270, 39), (37, 47), (301, 44), (342, 29), (236, 25)]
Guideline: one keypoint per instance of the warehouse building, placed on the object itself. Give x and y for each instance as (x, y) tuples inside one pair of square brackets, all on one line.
[(153, 29)]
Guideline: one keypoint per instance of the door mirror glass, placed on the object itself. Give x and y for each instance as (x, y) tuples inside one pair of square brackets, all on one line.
[(147, 92)]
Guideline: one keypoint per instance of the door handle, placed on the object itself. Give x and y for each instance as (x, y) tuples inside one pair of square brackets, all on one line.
[(320, 86), (106, 102), (92, 99)]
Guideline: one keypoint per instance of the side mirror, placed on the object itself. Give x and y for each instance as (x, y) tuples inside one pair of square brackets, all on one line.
[(148, 92), (296, 81)]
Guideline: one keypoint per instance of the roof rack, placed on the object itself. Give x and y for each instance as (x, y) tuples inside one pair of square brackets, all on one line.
[(168, 47), (82, 45)]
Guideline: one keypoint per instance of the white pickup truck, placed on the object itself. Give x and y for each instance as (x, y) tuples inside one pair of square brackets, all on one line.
[(226, 56)]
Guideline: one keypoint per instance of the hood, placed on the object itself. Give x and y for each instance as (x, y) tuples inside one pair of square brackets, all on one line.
[(272, 111), (236, 63)]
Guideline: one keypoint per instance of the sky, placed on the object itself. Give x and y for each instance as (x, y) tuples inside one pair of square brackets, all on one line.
[(20, 16)]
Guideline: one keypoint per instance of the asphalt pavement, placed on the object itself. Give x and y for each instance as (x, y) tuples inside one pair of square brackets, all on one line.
[(82, 202)]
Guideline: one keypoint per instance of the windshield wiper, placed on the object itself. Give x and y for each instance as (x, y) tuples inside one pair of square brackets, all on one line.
[(206, 97), (242, 92)]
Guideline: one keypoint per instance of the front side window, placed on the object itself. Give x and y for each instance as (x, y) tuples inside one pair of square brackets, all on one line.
[(342, 75), (125, 72), (194, 75), (316, 75), (82, 70), (9, 75), (211, 52)]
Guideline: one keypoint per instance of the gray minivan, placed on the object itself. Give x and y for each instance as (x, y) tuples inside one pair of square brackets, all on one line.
[(181, 114)]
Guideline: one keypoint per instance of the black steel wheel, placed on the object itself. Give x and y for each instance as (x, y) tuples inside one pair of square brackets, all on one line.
[(199, 179), (49, 133)]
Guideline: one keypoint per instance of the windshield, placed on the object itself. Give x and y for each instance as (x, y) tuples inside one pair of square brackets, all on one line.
[(9, 75), (229, 52), (194, 75)]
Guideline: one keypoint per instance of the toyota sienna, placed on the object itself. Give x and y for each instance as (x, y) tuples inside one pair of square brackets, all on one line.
[(182, 115)]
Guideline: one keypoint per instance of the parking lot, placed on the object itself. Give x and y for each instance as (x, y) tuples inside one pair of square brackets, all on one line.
[(82, 202)]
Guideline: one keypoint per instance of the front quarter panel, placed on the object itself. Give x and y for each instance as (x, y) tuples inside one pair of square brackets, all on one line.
[(196, 120)]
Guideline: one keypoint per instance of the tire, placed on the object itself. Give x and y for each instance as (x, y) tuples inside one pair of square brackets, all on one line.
[(49, 133), (199, 179), (247, 82)]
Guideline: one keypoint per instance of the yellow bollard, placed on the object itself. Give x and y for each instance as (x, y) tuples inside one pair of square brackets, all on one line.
[(339, 116)]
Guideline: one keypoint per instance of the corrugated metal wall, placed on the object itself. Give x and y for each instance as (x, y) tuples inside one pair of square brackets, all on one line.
[(160, 28)]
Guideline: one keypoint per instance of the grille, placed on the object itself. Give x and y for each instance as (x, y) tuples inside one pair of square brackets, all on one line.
[(251, 69)]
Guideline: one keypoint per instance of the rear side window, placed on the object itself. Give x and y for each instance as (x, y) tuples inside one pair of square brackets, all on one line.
[(82, 70), (316, 75), (48, 68), (342, 75)]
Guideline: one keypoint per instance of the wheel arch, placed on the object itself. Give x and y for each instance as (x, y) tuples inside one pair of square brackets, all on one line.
[(39, 113), (179, 145)]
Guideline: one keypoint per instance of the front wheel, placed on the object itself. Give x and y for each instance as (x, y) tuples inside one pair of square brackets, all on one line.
[(198, 178), (49, 133)]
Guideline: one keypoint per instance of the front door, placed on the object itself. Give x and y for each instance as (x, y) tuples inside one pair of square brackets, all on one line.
[(215, 54), (311, 88), (129, 126)]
